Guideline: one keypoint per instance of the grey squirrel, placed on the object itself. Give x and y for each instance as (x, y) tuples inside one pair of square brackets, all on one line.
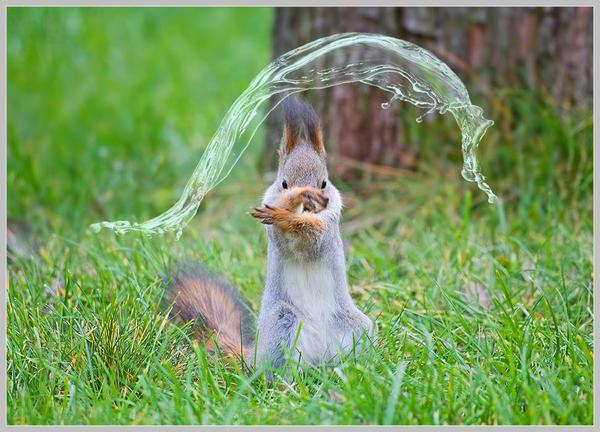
[(306, 271)]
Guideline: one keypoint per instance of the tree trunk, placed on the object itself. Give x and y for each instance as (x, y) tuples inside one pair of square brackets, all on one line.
[(355, 126), (539, 48)]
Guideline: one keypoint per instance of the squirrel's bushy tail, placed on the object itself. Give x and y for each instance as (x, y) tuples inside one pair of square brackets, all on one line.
[(215, 306)]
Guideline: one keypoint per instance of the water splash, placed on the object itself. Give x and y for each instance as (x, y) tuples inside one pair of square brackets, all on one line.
[(409, 73)]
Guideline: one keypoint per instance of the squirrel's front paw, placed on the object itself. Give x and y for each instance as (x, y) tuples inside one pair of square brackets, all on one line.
[(308, 199), (314, 201), (265, 214)]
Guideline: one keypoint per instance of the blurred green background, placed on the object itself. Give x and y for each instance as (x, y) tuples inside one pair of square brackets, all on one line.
[(106, 104), (484, 313)]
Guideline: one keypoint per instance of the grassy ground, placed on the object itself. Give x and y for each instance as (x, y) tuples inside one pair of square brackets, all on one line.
[(484, 313)]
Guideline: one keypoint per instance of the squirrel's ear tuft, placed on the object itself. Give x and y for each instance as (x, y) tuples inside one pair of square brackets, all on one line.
[(288, 141), (297, 113), (313, 128), (316, 138), (292, 122)]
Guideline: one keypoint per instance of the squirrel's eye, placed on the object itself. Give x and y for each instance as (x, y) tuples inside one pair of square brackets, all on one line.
[(323, 184), (284, 184)]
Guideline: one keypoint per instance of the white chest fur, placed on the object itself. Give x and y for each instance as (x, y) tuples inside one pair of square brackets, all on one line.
[(311, 289)]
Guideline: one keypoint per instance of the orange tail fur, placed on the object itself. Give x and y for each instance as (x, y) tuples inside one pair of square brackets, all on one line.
[(216, 308)]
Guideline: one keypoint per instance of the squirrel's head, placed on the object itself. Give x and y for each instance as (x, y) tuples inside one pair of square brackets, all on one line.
[(302, 157)]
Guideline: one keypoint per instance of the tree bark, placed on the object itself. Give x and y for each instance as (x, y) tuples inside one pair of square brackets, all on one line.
[(546, 48), (354, 124)]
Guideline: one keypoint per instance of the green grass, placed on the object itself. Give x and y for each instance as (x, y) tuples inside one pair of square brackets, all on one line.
[(108, 111)]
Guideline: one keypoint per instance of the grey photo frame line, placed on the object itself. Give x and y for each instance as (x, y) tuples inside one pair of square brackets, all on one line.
[(308, 3)]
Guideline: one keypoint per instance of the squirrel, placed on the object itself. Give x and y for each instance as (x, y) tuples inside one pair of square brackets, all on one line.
[(306, 308)]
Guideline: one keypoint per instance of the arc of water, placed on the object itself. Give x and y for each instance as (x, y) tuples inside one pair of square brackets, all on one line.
[(406, 71)]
